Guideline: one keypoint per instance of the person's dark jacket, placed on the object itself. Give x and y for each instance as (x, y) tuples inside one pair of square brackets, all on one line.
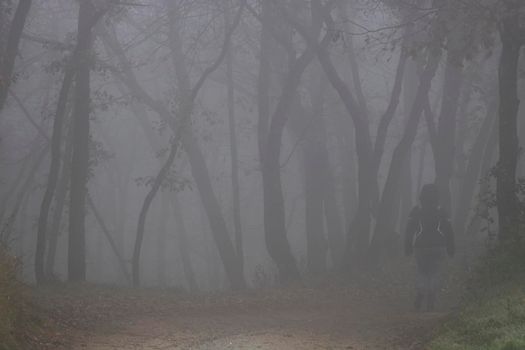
[(429, 228)]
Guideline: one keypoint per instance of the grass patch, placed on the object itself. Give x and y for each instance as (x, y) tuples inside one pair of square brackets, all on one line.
[(493, 312)]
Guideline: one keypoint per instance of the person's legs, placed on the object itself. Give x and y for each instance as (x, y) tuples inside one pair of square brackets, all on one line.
[(435, 262), (422, 279), (420, 293)]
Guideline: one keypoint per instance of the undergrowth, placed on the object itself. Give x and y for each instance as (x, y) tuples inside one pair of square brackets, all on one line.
[(17, 323), (493, 312)]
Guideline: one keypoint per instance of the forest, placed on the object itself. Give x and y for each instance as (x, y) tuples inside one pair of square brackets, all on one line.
[(262, 174)]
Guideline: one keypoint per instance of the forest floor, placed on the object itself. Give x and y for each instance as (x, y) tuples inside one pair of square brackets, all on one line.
[(97, 318)]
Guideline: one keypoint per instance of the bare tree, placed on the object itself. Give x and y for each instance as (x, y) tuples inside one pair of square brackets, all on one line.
[(182, 133)]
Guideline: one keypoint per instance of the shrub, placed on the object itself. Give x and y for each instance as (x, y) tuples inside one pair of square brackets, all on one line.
[(493, 312)]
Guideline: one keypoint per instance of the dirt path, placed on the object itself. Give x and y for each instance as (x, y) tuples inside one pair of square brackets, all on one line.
[(98, 319)]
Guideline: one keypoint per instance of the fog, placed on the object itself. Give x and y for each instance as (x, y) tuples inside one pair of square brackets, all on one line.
[(217, 145), (273, 174)]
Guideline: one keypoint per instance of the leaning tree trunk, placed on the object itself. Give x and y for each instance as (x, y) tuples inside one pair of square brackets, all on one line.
[(155, 143), (507, 202), (406, 200), (26, 187), (148, 200), (7, 57), (56, 145), (60, 204), (13, 186), (183, 246), (162, 233), (421, 164), (212, 208), (120, 259)]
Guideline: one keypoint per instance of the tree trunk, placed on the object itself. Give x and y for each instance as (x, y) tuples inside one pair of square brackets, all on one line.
[(406, 200), (507, 201), (270, 132), (162, 233), (236, 192), (60, 203), (334, 226), (7, 58), (316, 245), (183, 246), (212, 207), (346, 151), (421, 165), (56, 145), (331, 210), (109, 238), (157, 183), (462, 139), (444, 155), (80, 157), (358, 241), (26, 187), (322, 213), (16, 183)]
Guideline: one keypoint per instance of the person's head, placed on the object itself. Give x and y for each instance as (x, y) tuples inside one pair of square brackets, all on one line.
[(429, 196)]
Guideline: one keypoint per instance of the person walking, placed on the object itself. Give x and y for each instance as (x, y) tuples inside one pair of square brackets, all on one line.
[(430, 238)]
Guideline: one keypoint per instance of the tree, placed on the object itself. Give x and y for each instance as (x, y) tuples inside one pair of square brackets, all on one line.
[(368, 154), (229, 255), (270, 131), (52, 181), (512, 35), (182, 133), (236, 201), (80, 156), (386, 214)]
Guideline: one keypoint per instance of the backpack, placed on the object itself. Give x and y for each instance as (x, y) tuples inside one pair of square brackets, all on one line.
[(433, 229)]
